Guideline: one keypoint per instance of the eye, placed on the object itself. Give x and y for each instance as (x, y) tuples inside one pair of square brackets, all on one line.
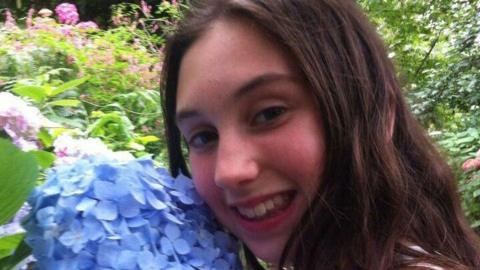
[(268, 114), (202, 139)]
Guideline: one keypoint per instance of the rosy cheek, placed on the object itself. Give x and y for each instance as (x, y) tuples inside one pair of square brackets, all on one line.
[(203, 178), (202, 174)]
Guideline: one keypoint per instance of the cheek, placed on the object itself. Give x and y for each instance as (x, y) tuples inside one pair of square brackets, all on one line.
[(203, 179), (300, 151)]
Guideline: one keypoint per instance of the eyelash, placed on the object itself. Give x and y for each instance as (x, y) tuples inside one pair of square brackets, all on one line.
[(208, 137), (269, 114), (202, 135)]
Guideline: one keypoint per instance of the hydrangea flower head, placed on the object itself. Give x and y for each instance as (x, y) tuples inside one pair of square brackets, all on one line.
[(45, 12), (67, 13), (87, 26), (100, 213), (9, 20), (20, 121), (69, 149)]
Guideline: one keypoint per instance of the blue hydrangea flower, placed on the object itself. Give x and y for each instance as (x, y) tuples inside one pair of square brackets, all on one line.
[(103, 214)]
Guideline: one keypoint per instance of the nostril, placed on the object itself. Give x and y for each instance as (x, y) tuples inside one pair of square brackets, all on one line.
[(235, 162)]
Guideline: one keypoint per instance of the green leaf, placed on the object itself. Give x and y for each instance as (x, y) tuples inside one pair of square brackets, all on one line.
[(476, 193), (18, 174), (64, 103), (475, 224), (37, 93), (9, 243), (45, 137), (21, 252), (68, 85), (147, 139), (135, 146), (44, 159)]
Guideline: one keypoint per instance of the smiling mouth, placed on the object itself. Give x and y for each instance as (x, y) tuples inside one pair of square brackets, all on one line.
[(266, 208)]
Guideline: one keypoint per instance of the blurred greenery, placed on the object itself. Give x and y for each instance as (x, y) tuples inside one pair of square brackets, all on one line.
[(95, 83), (436, 47), (88, 83), (96, 10)]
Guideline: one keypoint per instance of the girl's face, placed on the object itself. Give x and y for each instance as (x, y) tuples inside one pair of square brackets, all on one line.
[(256, 142)]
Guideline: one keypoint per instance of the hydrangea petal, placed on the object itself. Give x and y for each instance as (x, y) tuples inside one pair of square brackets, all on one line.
[(93, 229), (107, 254), (172, 231), (86, 204), (166, 246), (128, 207), (181, 246), (126, 260), (173, 218), (153, 201), (104, 190), (106, 210), (146, 261), (136, 222), (132, 242), (221, 264)]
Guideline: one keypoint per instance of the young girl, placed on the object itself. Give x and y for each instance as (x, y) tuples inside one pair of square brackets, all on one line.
[(301, 143)]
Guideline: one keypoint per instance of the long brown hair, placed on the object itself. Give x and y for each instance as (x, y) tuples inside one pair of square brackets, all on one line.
[(385, 188)]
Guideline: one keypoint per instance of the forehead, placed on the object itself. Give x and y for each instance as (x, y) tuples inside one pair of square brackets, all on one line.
[(230, 53)]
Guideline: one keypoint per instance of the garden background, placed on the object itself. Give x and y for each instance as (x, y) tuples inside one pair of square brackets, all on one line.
[(81, 80)]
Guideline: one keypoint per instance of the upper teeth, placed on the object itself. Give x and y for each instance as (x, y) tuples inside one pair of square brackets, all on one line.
[(263, 208)]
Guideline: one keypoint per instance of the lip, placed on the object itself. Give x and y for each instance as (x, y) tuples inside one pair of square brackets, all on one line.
[(270, 223)]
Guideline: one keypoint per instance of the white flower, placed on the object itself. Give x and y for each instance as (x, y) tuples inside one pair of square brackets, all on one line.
[(69, 149), (44, 12)]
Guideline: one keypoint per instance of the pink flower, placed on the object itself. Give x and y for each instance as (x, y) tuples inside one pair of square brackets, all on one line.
[(70, 60), (146, 9), (471, 164), (66, 30), (67, 13), (155, 27), (9, 21), (20, 121), (87, 26), (29, 21)]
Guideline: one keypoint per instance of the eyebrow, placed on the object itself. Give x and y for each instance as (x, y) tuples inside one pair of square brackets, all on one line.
[(241, 91)]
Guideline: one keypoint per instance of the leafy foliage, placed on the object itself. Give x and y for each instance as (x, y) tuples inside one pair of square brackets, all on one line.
[(85, 83), (436, 47), (92, 82)]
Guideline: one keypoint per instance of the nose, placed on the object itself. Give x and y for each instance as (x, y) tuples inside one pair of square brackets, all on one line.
[(236, 162)]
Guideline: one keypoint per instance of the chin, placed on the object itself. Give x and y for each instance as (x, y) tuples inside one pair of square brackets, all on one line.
[(270, 253)]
